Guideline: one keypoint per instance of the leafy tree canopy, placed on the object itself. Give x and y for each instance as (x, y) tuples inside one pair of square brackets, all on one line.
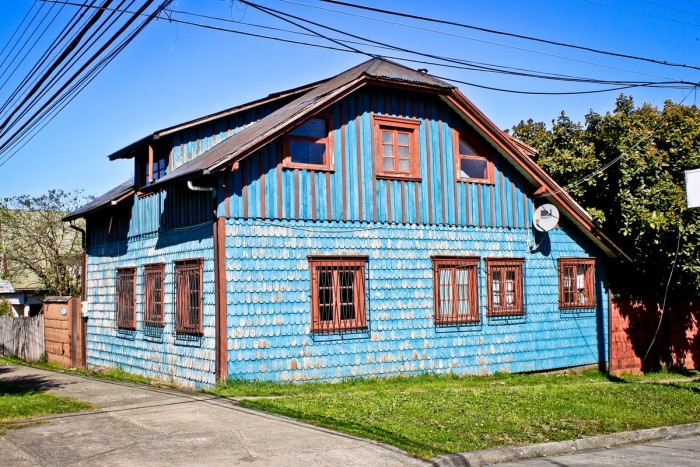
[(41, 251), (627, 168)]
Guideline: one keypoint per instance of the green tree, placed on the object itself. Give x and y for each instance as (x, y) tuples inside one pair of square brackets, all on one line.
[(42, 251), (627, 168)]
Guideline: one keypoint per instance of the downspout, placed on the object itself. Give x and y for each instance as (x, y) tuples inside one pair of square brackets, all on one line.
[(220, 325)]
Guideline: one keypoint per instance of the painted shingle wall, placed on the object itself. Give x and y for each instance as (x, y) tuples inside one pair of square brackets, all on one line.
[(268, 286), (155, 352)]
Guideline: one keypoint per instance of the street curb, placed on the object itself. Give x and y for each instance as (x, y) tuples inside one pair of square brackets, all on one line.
[(514, 453)]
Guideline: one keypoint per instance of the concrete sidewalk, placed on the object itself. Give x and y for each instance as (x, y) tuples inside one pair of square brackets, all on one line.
[(139, 425)]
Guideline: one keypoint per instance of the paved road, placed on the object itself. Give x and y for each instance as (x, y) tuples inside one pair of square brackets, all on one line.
[(138, 425), (681, 452)]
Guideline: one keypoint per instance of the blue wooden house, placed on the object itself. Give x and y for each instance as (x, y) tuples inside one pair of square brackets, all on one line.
[(372, 224)]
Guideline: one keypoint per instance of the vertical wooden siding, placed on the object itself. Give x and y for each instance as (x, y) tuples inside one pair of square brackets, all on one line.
[(261, 188)]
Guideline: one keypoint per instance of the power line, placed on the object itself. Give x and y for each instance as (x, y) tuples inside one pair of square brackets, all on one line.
[(484, 41), (518, 36), (24, 129), (285, 17), (665, 18), (455, 63)]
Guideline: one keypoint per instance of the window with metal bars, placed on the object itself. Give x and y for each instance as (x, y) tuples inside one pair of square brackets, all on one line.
[(576, 283), (504, 287), (154, 275), (126, 298), (397, 153), (188, 296), (455, 289), (337, 293)]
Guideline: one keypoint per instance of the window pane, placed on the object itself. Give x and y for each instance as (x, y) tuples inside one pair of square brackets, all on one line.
[(404, 152), (403, 139), (465, 149), (496, 288), (445, 278), (307, 152), (387, 137), (462, 278), (387, 163), (387, 150), (313, 128), (325, 295), (473, 168), (347, 295)]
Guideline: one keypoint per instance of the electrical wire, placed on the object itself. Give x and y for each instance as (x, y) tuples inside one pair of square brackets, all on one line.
[(468, 65), (285, 17), (638, 13), (616, 159), (518, 36), (663, 303), (79, 79)]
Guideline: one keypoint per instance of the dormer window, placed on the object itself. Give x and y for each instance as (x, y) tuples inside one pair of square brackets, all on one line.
[(397, 152), (309, 145), (471, 165), (152, 166)]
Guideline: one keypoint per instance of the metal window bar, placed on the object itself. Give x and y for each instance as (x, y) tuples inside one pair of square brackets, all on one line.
[(154, 277), (188, 282), (576, 283), (126, 298), (456, 289), (338, 294), (505, 288)]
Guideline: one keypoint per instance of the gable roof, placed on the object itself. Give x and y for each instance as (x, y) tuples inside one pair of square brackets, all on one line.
[(324, 93), (254, 136)]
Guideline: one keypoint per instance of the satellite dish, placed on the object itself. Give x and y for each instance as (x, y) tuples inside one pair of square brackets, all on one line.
[(546, 218)]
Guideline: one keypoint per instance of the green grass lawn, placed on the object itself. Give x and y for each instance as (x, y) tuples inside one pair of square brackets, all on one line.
[(432, 415), (19, 402)]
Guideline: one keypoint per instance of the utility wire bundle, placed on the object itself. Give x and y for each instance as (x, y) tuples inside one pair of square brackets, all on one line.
[(54, 54)]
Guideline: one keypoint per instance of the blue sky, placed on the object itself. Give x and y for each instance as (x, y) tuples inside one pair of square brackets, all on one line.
[(173, 72)]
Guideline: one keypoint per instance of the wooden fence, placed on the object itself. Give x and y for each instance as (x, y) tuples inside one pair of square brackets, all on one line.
[(22, 337)]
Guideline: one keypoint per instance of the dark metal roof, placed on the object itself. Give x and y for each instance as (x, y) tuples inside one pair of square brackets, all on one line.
[(128, 151), (247, 140), (103, 201)]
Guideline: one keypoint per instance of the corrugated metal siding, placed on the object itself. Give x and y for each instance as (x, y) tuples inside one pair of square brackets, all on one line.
[(351, 191), (269, 306), (154, 352)]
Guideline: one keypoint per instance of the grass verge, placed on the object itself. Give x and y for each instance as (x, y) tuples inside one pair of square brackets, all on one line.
[(431, 415), (19, 402)]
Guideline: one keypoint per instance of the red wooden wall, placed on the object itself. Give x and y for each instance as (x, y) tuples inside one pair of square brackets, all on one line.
[(633, 326)]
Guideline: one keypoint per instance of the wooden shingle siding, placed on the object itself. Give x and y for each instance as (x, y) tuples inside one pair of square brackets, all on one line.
[(261, 188), (159, 352), (270, 319)]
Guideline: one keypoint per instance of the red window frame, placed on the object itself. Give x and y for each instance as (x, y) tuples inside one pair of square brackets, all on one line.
[(396, 126), (505, 296), (478, 150), (126, 298), (571, 294), (154, 292), (327, 164), (456, 290), (337, 286), (188, 296)]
